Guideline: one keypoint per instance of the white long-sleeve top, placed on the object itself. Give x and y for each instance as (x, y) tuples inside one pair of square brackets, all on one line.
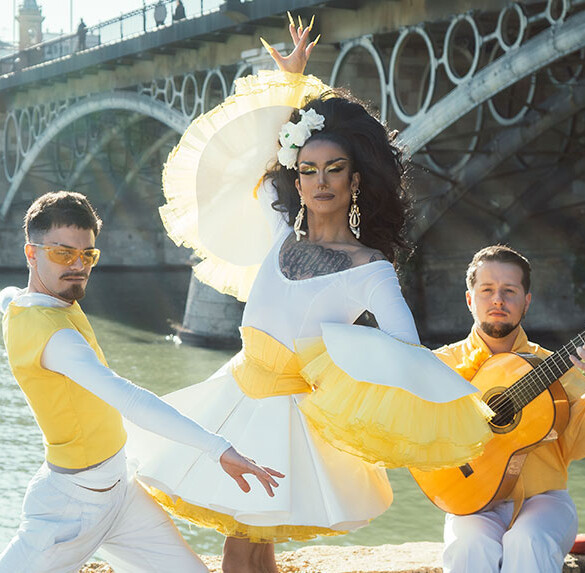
[(68, 353), (292, 309)]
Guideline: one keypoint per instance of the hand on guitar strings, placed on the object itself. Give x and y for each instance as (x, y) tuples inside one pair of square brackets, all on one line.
[(579, 360)]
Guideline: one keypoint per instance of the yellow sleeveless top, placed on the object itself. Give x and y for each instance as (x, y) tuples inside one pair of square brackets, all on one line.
[(79, 429)]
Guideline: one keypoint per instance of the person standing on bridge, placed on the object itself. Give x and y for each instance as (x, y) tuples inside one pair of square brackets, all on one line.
[(179, 13), (82, 497), (323, 254), (81, 35), (160, 13), (535, 526)]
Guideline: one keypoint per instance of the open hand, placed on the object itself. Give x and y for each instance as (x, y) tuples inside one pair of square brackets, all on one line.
[(297, 60), (236, 465), (579, 360)]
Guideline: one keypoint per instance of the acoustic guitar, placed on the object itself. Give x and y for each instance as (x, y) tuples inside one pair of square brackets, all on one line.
[(531, 408)]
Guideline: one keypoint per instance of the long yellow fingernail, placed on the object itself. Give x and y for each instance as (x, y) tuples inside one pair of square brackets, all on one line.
[(290, 19), (312, 22), (300, 23), (316, 40), (268, 47)]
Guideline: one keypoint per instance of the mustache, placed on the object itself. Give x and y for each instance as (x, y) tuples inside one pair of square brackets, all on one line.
[(74, 276)]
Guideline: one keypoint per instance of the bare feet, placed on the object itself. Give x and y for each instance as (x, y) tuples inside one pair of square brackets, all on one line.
[(242, 556)]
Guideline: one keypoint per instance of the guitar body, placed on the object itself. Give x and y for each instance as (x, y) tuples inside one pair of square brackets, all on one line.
[(491, 477)]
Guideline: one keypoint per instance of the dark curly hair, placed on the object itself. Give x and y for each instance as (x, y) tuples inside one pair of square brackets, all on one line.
[(383, 201)]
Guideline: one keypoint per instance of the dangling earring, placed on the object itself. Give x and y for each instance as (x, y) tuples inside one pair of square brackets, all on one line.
[(354, 215), (299, 221)]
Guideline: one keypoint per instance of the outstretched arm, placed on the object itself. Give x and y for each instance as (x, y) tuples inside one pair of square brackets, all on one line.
[(297, 60), (68, 353), (236, 465)]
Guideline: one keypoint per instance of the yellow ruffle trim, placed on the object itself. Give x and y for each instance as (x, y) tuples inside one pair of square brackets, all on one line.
[(228, 526), (180, 214), (387, 425), (471, 363)]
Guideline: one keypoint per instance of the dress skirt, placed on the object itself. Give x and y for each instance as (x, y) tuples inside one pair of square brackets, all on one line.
[(325, 491), (328, 417)]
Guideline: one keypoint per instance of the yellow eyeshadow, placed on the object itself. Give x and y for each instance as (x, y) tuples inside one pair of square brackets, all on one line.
[(310, 170)]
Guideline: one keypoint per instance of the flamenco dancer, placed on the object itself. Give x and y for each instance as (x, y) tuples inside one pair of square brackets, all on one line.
[(315, 396)]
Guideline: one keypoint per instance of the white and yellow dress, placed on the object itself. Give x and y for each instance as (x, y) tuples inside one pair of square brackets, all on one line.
[(310, 394)]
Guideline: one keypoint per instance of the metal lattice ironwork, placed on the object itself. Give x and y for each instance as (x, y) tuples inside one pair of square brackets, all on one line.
[(444, 84)]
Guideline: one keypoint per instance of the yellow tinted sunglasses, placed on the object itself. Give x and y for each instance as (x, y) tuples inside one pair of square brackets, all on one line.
[(67, 255)]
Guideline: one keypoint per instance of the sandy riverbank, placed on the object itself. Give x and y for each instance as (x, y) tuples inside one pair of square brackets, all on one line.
[(409, 557), (422, 557)]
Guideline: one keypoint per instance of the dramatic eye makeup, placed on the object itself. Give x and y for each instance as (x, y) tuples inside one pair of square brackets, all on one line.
[(333, 166)]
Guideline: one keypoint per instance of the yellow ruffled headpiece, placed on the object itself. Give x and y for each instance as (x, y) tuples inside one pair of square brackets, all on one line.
[(211, 177)]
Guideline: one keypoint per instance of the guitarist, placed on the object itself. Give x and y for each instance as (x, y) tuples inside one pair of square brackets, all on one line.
[(535, 528)]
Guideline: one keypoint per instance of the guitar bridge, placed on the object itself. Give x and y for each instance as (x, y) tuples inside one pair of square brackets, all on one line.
[(466, 470)]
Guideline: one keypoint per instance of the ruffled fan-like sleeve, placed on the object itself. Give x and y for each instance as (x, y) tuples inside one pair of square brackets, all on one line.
[(381, 396), (211, 178)]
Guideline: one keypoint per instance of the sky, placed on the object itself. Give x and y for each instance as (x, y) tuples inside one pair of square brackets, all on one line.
[(57, 13)]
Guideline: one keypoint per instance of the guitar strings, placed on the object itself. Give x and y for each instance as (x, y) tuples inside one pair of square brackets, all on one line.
[(523, 391), (514, 398)]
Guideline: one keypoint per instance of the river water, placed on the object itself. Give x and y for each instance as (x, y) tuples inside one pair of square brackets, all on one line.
[(132, 313)]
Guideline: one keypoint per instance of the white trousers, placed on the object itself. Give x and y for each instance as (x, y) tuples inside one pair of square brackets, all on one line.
[(63, 524), (537, 542)]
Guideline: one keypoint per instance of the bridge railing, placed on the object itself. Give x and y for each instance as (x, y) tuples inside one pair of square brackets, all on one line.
[(131, 24)]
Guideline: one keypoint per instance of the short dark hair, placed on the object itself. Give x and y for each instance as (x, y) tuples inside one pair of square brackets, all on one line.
[(60, 209), (499, 254)]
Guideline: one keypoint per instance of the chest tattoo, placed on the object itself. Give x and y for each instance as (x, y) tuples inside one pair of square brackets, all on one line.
[(377, 256), (306, 260)]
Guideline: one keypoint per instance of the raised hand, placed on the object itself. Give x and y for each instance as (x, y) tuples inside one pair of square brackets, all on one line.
[(579, 361), (297, 60), (236, 465)]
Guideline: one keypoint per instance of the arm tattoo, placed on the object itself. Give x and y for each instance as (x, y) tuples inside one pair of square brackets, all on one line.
[(306, 260)]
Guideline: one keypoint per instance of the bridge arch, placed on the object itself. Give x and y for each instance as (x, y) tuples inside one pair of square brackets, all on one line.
[(125, 101), (537, 53)]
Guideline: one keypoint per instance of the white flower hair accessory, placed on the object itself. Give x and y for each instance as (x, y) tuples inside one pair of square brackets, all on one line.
[(292, 136)]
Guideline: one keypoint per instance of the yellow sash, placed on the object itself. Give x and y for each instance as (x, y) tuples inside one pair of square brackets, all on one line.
[(265, 367)]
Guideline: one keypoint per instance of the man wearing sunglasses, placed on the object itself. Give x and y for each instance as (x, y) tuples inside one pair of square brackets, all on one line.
[(81, 498)]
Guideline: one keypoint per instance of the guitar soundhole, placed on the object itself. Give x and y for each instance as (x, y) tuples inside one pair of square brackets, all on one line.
[(505, 412)]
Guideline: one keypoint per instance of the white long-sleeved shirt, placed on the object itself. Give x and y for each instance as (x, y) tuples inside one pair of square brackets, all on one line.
[(68, 353)]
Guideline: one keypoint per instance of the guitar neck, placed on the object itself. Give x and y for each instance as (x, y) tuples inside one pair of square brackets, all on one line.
[(540, 378)]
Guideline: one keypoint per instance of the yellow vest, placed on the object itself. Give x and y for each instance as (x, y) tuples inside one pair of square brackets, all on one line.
[(79, 429)]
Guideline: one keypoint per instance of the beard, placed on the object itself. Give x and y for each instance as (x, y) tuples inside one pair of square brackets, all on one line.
[(499, 330), (74, 292)]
